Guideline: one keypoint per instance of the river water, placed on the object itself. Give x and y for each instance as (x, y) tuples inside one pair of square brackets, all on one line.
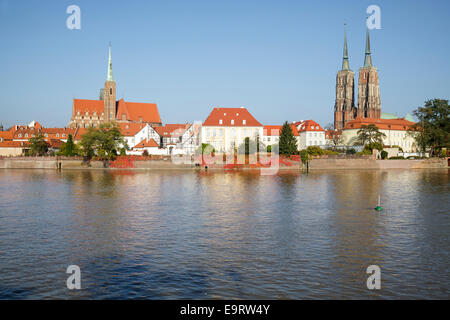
[(232, 235)]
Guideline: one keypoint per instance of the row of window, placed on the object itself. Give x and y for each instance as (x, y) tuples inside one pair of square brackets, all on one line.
[(45, 135)]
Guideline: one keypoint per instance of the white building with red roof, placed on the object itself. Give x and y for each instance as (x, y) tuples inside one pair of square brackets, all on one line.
[(310, 134), (226, 128), (271, 135), (396, 131)]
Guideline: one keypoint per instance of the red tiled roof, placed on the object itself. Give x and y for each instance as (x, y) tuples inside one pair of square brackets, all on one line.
[(308, 125), (276, 130), (7, 135), (227, 115), (171, 130), (14, 144), (90, 106), (146, 144), (386, 124), (79, 133), (130, 129), (55, 143), (48, 133), (138, 112)]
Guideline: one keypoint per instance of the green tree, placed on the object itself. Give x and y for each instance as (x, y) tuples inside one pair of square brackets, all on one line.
[(433, 129), (38, 146), (287, 143), (69, 148), (104, 141), (368, 134)]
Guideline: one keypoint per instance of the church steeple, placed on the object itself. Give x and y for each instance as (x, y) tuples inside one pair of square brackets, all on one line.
[(368, 57), (110, 71), (345, 65), (109, 94)]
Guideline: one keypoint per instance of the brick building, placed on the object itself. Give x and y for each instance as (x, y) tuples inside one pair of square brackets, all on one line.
[(90, 113)]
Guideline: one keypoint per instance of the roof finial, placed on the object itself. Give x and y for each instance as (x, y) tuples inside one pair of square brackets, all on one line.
[(368, 57), (345, 65), (110, 71)]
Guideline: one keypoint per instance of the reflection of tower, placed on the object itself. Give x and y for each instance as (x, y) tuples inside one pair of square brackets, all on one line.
[(344, 107), (369, 103), (109, 94)]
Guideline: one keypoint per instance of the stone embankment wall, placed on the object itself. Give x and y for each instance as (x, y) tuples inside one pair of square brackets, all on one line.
[(330, 162), (370, 163)]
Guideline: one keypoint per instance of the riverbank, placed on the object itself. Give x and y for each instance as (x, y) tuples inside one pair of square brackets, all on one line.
[(329, 163)]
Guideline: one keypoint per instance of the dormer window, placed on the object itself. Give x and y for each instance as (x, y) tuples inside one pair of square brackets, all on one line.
[(124, 116), (63, 135), (237, 114), (312, 127), (220, 121), (57, 135), (244, 122), (224, 113), (26, 135), (46, 135), (20, 135), (232, 121), (140, 119)]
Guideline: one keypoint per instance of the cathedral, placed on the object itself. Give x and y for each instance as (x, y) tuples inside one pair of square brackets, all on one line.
[(369, 103), (91, 113)]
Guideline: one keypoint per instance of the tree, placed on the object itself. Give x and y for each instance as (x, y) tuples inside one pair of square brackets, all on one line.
[(368, 134), (433, 129), (38, 146), (335, 136), (69, 148), (287, 143), (104, 141)]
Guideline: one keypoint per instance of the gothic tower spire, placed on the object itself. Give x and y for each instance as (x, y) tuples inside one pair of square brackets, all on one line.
[(368, 57), (109, 113), (345, 65), (344, 107), (110, 71), (369, 102)]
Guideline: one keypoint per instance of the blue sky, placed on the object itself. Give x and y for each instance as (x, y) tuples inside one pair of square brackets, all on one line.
[(277, 58)]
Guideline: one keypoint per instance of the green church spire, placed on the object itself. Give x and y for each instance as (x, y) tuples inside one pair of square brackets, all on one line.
[(345, 65), (110, 71), (368, 58)]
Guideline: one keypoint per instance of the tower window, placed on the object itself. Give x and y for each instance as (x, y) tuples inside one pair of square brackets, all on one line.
[(110, 91)]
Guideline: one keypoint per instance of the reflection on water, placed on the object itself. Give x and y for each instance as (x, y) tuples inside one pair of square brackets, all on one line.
[(181, 234)]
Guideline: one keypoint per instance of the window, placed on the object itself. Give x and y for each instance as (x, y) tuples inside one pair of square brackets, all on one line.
[(244, 122), (46, 135), (237, 114), (26, 135), (220, 121), (110, 91), (57, 135), (312, 127), (63, 135), (20, 135), (124, 116), (232, 121)]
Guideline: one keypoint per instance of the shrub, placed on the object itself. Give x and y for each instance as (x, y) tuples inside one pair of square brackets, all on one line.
[(304, 155), (315, 151), (384, 154), (145, 153), (351, 151), (397, 158)]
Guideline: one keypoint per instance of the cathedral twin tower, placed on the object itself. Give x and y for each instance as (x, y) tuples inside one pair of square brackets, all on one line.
[(369, 103)]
